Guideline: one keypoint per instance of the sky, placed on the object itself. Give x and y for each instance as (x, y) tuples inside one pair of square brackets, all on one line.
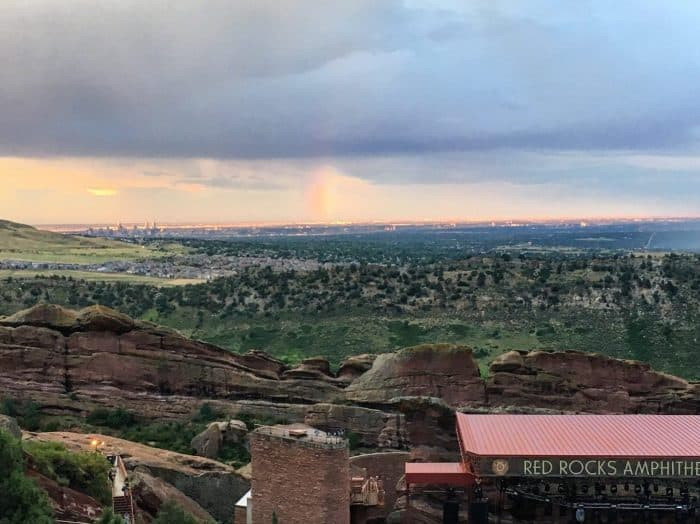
[(362, 110)]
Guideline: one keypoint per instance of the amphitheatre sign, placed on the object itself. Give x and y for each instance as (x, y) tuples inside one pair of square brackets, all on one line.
[(588, 467)]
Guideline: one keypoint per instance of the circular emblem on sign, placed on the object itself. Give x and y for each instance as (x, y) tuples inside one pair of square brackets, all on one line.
[(499, 467)]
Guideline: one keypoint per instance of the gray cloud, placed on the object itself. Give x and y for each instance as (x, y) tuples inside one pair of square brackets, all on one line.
[(282, 78)]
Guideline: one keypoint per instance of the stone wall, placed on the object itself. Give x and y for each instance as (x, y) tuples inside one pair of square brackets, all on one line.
[(300, 482)]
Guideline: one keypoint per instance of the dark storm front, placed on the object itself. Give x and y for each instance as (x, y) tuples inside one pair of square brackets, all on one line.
[(586, 467)]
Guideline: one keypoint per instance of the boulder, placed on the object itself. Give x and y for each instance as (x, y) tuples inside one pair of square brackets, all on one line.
[(509, 362), (319, 364), (208, 442), (234, 431), (444, 371), (354, 366)]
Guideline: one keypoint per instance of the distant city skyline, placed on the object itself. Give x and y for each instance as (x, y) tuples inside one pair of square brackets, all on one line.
[(371, 110)]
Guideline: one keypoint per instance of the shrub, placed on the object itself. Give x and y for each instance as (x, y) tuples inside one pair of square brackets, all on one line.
[(27, 412), (207, 414), (115, 419), (22, 500), (108, 517), (171, 513), (87, 472)]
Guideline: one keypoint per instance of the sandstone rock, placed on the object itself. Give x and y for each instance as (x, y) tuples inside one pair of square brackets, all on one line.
[(106, 352), (444, 371), (263, 364), (43, 315), (208, 442), (585, 382), (510, 362), (320, 364), (428, 422), (371, 427), (151, 492), (246, 471), (354, 366), (311, 369), (9, 425), (234, 431), (101, 318), (76, 366)]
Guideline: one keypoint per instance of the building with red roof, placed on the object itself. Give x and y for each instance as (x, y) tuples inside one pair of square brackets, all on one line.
[(564, 467)]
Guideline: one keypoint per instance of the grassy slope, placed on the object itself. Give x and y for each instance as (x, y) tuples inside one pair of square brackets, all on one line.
[(21, 242), (294, 337)]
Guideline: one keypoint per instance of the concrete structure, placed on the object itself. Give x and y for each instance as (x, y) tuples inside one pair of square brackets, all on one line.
[(243, 512), (300, 476)]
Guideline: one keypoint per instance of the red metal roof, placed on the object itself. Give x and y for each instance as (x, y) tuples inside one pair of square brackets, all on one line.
[(625, 436), (443, 473)]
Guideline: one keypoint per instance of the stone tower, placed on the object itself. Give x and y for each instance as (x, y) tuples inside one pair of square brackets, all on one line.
[(301, 475)]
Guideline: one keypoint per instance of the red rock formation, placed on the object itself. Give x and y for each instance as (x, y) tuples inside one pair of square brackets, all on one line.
[(51, 354), (315, 368), (354, 366), (584, 382), (76, 361), (443, 371)]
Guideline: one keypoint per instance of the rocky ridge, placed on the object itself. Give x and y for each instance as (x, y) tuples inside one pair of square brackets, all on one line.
[(76, 361)]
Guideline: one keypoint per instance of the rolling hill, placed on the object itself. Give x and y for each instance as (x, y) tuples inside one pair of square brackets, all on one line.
[(23, 242)]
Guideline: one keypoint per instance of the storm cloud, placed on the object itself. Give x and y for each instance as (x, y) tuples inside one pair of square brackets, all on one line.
[(257, 79)]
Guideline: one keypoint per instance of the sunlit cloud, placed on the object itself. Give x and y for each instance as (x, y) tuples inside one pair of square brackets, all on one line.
[(102, 192)]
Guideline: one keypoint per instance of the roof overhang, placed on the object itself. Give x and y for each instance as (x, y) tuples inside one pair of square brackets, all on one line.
[(439, 473), (599, 446)]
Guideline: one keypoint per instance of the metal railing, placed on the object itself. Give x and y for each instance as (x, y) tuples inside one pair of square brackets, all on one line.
[(313, 438)]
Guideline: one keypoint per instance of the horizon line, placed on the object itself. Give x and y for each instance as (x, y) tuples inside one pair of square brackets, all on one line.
[(581, 220)]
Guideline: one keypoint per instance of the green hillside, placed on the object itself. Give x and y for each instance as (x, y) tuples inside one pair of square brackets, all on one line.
[(22, 242)]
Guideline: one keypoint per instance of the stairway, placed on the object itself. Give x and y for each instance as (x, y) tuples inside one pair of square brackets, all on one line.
[(122, 507)]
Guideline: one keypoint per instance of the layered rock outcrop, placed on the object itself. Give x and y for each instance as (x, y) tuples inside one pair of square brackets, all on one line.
[(584, 382), (75, 361), (100, 356), (444, 371)]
